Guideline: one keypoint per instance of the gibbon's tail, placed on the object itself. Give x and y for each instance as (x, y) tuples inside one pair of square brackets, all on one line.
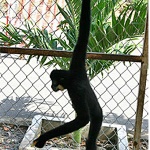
[(79, 54)]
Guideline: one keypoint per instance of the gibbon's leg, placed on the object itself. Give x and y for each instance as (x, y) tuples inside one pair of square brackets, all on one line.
[(69, 127), (95, 126)]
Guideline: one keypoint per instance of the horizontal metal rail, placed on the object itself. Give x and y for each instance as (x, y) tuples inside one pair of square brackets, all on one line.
[(68, 54)]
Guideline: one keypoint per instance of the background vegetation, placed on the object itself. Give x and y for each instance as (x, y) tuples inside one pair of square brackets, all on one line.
[(114, 27)]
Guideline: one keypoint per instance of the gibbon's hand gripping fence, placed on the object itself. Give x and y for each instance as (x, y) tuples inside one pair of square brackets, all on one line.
[(117, 63)]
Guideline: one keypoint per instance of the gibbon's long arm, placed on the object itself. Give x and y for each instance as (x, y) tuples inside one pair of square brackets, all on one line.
[(80, 121), (69, 127), (79, 54)]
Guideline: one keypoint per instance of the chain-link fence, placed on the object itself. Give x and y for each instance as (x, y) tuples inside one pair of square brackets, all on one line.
[(117, 70)]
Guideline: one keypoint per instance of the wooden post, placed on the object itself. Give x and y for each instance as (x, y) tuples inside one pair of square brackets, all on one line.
[(141, 94)]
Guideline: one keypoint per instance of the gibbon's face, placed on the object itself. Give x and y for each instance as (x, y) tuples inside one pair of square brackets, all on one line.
[(59, 79)]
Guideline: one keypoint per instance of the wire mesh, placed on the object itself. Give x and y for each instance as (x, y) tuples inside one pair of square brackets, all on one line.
[(26, 87)]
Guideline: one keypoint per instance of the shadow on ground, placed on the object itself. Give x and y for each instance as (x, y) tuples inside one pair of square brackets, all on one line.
[(28, 107)]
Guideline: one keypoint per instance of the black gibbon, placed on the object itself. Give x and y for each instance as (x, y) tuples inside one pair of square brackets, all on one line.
[(75, 80)]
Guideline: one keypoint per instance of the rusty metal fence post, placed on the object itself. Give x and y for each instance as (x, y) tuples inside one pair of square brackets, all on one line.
[(141, 94)]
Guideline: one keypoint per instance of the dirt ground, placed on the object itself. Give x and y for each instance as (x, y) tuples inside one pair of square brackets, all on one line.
[(12, 135)]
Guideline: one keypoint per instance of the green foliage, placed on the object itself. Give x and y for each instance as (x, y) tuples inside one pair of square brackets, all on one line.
[(108, 29), (10, 35), (29, 37), (77, 136), (111, 32), (40, 39)]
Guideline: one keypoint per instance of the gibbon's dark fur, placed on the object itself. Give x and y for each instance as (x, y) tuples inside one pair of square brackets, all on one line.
[(75, 80)]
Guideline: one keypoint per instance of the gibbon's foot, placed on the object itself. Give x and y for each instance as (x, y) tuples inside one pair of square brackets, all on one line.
[(39, 143)]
